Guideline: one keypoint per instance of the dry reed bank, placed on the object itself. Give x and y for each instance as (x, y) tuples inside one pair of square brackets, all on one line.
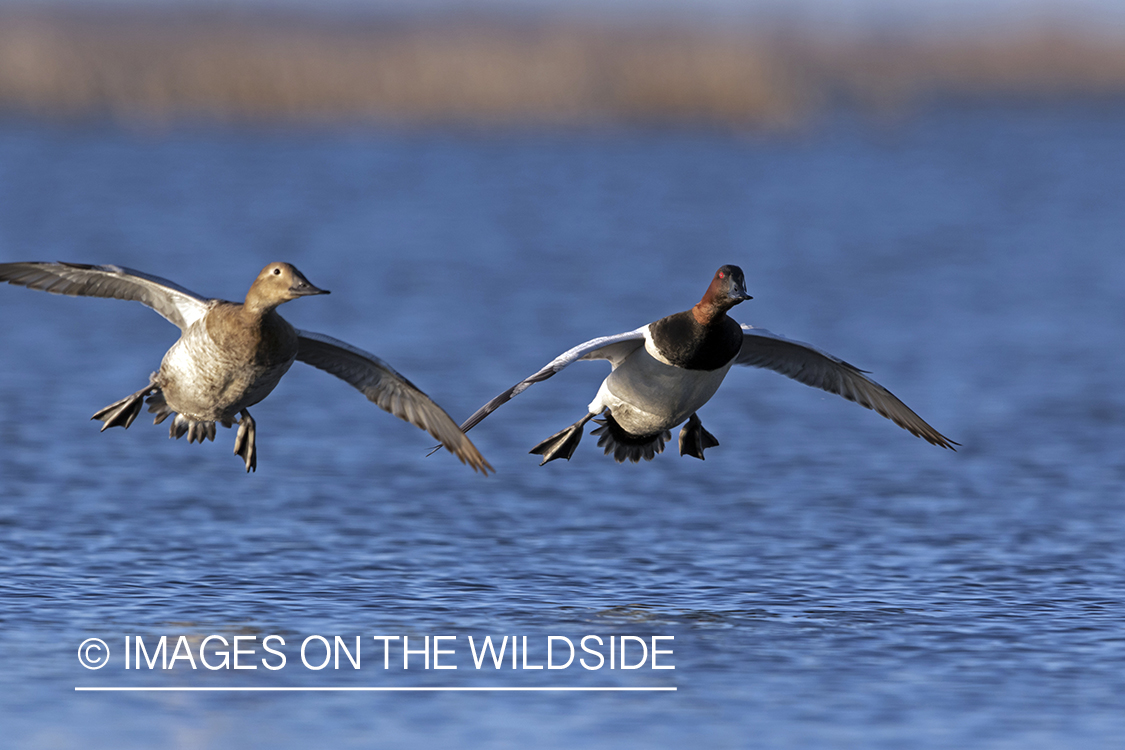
[(161, 66)]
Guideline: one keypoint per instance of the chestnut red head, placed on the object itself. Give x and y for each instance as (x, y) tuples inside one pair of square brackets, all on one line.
[(728, 287)]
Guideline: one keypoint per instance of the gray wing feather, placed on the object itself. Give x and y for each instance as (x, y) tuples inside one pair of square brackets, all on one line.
[(178, 305), (813, 367), (613, 348), (389, 390)]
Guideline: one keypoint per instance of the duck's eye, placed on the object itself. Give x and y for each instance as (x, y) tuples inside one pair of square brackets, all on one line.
[(277, 272), (722, 275)]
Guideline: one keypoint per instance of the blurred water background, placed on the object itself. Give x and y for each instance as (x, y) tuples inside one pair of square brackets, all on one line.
[(829, 580)]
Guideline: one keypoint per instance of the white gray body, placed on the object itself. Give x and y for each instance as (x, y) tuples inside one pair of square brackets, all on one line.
[(647, 396)]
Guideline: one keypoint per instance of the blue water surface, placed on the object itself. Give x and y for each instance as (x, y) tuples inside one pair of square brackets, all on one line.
[(828, 580)]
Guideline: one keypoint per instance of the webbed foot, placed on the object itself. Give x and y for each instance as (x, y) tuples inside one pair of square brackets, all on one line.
[(244, 444), (123, 412), (561, 444), (694, 439)]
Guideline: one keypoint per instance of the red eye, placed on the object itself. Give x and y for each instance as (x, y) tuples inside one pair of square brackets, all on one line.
[(722, 275)]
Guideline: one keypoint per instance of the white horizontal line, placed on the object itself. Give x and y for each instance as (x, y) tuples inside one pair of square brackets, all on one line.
[(372, 689)]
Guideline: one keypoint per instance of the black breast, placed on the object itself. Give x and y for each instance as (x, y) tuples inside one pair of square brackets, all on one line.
[(685, 342)]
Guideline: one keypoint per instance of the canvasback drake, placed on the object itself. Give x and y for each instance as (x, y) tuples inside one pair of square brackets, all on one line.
[(664, 371), (231, 355)]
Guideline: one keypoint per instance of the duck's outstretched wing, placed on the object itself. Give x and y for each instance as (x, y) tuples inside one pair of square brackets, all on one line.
[(180, 306), (389, 390), (613, 348), (811, 366)]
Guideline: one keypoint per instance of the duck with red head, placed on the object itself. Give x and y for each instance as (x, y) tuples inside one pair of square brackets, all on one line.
[(231, 355), (663, 372)]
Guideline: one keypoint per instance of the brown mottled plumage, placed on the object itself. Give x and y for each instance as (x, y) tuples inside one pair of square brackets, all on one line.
[(231, 355)]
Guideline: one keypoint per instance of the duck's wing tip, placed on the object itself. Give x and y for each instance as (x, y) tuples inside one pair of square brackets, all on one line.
[(390, 391), (819, 369)]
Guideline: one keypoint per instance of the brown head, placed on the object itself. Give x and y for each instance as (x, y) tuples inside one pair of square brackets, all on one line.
[(277, 284), (727, 289)]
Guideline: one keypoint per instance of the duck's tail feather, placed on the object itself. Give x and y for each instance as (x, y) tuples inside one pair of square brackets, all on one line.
[(625, 446), (196, 432), (159, 406)]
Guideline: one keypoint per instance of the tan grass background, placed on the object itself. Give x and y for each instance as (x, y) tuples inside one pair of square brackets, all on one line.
[(158, 67)]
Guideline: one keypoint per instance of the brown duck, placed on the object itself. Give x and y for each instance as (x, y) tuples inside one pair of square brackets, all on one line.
[(231, 355)]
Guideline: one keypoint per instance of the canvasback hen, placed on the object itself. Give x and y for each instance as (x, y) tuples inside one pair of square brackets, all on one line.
[(231, 355), (663, 372)]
